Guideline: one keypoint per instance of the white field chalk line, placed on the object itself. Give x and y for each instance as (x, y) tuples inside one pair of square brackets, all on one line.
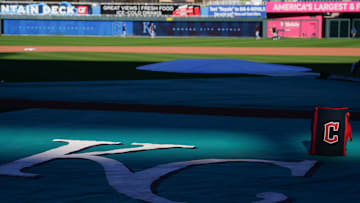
[(29, 49)]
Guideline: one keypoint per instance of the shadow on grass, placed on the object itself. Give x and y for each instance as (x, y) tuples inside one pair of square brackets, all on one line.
[(334, 68), (35, 71)]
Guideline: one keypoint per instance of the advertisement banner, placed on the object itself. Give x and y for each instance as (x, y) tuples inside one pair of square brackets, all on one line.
[(237, 11), (224, 29), (132, 28), (313, 7), (138, 10), (296, 27), (66, 27), (63, 8)]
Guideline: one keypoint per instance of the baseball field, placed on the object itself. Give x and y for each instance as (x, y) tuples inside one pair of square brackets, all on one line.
[(79, 58), (79, 122)]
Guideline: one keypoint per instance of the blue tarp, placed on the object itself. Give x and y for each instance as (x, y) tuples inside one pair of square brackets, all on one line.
[(221, 66)]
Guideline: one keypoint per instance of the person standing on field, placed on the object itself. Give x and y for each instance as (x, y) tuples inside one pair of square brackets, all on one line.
[(354, 32), (257, 32), (275, 34), (124, 30), (152, 30)]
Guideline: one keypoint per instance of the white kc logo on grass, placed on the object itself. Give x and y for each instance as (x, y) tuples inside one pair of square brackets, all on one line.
[(137, 185)]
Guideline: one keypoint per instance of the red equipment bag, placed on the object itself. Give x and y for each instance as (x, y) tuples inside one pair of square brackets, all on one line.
[(330, 131)]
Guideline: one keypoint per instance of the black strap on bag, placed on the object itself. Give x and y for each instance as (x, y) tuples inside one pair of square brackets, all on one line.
[(330, 131)]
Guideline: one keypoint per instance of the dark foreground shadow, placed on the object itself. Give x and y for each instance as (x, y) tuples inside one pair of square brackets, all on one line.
[(307, 145), (42, 70), (37, 71)]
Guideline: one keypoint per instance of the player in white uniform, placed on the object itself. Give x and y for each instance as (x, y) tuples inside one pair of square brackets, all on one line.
[(152, 30), (257, 32)]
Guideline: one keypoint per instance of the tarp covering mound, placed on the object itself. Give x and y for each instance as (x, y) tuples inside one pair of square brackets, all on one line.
[(222, 66)]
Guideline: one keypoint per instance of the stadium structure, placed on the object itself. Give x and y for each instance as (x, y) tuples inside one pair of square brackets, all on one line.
[(299, 19), (169, 101)]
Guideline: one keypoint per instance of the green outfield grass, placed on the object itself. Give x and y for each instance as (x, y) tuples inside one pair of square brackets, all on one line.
[(136, 57), (67, 66), (142, 41)]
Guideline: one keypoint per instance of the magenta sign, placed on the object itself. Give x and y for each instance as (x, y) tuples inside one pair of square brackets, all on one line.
[(313, 7), (296, 27)]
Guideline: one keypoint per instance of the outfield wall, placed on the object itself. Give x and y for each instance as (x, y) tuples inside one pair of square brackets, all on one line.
[(102, 26), (129, 9), (108, 19)]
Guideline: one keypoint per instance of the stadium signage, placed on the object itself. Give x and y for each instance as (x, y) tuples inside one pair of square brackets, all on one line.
[(292, 24), (313, 7), (138, 10), (162, 28), (237, 11), (138, 185), (64, 8)]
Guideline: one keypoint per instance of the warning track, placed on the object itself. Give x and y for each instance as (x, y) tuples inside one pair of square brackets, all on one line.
[(290, 51)]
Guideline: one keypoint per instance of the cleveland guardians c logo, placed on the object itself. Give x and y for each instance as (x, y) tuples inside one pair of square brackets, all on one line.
[(327, 130)]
